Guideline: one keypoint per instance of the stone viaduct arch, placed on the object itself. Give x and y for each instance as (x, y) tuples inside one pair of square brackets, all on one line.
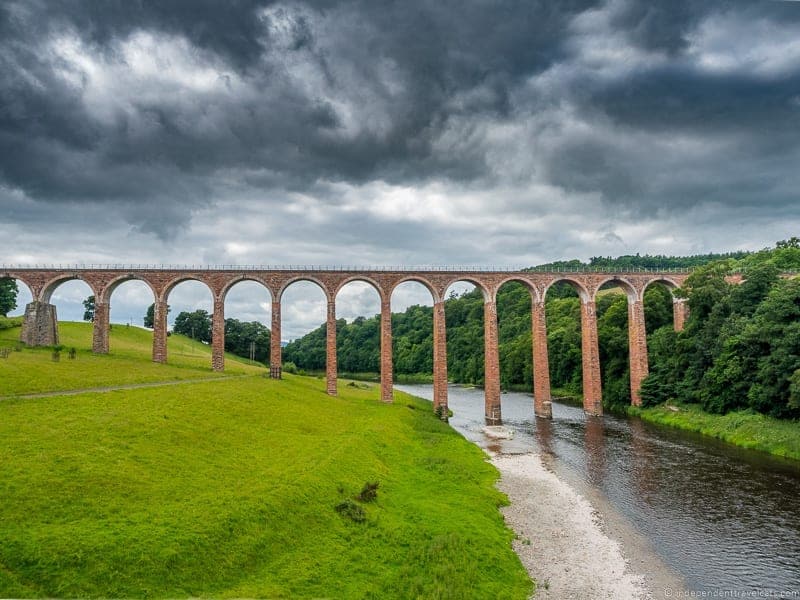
[(161, 279)]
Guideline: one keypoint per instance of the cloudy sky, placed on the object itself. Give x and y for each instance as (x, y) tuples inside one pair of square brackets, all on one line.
[(390, 133)]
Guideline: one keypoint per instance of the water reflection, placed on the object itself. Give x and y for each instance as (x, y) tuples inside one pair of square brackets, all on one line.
[(722, 517), (644, 465), (595, 447), (544, 436)]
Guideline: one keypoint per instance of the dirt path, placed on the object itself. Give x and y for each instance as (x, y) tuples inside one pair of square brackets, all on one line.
[(114, 388)]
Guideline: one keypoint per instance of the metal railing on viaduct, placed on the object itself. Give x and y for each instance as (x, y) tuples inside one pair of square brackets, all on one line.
[(40, 324)]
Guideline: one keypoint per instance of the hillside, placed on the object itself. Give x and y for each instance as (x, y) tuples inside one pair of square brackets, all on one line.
[(33, 370), (244, 487)]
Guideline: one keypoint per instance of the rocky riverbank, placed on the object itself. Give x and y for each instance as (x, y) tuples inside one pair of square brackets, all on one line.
[(563, 542)]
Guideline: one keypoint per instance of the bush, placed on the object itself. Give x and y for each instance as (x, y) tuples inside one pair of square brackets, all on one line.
[(10, 322), (352, 511), (369, 492)]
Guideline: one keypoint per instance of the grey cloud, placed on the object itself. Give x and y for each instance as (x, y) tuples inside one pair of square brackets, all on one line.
[(281, 99), (403, 63)]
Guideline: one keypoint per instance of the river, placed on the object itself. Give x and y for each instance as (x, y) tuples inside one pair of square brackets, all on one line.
[(721, 517)]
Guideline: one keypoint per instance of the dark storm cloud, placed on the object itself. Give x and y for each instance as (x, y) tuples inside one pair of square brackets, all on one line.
[(56, 148), (161, 108)]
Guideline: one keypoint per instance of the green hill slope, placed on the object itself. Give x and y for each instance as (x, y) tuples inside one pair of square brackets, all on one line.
[(32, 370), (230, 488)]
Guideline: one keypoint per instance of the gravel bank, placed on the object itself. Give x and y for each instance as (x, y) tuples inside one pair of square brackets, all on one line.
[(560, 540)]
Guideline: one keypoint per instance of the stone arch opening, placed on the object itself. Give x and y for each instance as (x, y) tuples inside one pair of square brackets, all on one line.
[(189, 304), (419, 351), (515, 298), (361, 281), (613, 301), (359, 329), (467, 285), (304, 307), (465, 332), (662, 305), (303, 280), (129, 302), (132, 298), (563, 315), (248, 319), (564, 287), (66, 296), (68, 292), (412, 329), (659, 304), (472, 342), (412, 293)]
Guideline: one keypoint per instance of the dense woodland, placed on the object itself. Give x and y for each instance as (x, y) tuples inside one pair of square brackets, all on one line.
[(740, 348)]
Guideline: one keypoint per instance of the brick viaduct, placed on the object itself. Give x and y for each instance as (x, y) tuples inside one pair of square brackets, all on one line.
[(40, 317)]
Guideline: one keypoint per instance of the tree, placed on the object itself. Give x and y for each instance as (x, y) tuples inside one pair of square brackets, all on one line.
[(150, 316), (196, 325), (239, 336), (8, 295), (88, 306)]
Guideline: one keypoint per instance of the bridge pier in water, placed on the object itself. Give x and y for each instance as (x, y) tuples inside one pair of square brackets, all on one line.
[(542, 404), (590, 352), (491, 361)]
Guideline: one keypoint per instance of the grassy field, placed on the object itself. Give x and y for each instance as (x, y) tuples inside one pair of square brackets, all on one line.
[(32, 370), (745, 429), (230, 489)]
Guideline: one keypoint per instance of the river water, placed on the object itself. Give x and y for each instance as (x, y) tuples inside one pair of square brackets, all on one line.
[(723, 518)]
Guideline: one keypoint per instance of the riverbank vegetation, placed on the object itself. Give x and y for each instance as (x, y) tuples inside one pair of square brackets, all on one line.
[(741, 345), (243, 487), (744, 428)]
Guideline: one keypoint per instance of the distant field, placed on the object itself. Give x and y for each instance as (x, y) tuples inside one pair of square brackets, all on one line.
[(32, 370), (229, 488)]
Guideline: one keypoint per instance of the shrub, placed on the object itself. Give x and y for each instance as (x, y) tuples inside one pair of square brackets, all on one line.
[(290, 367), (369, 492), (352, 511)]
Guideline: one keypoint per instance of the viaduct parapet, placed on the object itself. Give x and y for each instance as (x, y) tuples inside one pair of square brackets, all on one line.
[(40, 316)]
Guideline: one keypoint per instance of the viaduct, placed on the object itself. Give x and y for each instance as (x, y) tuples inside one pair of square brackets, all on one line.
[(40, 316)]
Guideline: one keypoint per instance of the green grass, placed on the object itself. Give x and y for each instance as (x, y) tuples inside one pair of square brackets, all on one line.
[(742, 428), (32, 370), (228, 489), (9, 322)]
